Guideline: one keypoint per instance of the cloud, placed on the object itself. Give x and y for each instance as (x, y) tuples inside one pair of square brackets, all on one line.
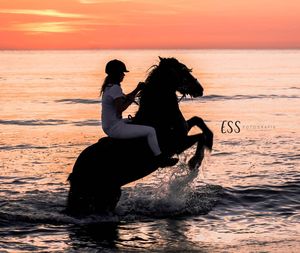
[(49, 13), (55, 27), (45, 27)]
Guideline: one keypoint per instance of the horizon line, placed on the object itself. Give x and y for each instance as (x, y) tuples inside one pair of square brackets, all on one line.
[(146, 48)]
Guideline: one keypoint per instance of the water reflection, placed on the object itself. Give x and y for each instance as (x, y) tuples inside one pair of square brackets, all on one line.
[(158, 236), (97, 235)]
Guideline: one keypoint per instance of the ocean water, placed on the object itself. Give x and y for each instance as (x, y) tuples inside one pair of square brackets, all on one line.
[(244, 198)]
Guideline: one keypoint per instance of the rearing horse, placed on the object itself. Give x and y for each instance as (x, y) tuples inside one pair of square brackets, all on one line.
[(102, 168)]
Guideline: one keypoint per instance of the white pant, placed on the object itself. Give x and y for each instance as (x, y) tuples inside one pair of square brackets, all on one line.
[(122, 130)]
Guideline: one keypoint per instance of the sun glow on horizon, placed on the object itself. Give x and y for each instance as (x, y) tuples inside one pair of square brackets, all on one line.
[(50, 13), (52, 27), (149, 24)]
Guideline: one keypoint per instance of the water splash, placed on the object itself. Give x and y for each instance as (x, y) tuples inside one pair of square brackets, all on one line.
[(173, 192), (169, 192)]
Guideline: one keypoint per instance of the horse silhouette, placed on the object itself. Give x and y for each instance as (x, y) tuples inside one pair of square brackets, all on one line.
[(104, 167)]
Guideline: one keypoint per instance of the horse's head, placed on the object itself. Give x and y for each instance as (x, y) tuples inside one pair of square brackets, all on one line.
[(181, 78)]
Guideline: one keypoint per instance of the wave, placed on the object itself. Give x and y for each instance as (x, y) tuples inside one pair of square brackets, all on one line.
[(50, 122), (30, 146), (212, 97), (173, 192), (240, 97), (47, 78), (133, 206), (22, 146), (173, 196), (78, 101), (281, 199), (136, 204), (34, 122), (89, 122), (145, 201)]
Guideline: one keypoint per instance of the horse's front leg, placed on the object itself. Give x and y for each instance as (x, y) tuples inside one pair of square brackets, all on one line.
[(208, 134), (203, 140), (189, 141)]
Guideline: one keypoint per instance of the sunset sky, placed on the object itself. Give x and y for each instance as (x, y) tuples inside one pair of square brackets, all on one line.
[(110, 24)]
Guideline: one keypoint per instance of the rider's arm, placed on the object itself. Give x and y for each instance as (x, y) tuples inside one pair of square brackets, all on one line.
[(122, 103), (131, 96)]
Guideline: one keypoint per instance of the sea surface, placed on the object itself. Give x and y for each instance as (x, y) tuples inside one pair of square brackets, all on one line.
[(244, 198)]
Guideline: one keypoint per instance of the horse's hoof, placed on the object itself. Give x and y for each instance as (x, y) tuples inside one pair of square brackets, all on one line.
[(195, 162)]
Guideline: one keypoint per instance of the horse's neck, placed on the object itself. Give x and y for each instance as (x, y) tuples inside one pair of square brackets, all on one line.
[(158, 107)]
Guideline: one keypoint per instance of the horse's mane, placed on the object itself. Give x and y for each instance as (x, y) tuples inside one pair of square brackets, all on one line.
[(153, 74), (160, 90), (162, 76)]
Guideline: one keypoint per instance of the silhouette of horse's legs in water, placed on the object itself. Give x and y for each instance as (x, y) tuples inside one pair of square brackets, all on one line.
[(202, 140)]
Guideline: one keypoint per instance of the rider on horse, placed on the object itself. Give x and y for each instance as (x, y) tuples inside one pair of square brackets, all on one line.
[(114, 102)]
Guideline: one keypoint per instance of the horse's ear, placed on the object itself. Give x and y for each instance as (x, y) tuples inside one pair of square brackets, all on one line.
[(160, 58)]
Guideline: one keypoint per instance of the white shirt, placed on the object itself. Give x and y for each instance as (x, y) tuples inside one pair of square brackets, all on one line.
[(109, 115)]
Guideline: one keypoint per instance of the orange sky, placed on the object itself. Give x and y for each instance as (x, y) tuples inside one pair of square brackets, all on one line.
[(76, 24)]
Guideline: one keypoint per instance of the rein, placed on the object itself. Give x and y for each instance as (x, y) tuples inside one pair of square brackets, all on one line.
[(182, 97), (178, 100)]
